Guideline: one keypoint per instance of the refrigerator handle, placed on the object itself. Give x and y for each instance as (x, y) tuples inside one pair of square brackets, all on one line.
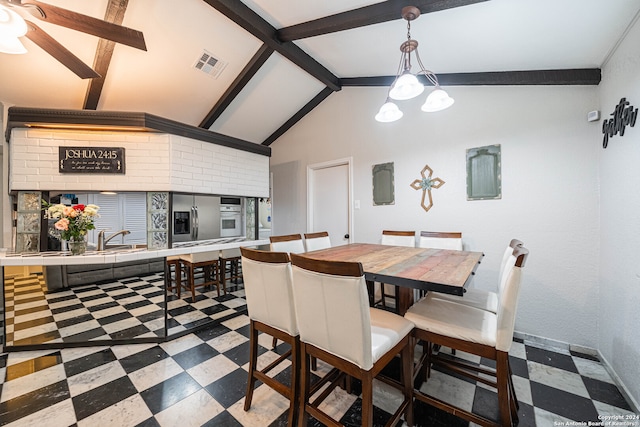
[(193, 223), (197, 221)]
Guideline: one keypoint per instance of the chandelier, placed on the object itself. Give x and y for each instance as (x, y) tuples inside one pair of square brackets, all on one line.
[(406, 85), (12, 26)]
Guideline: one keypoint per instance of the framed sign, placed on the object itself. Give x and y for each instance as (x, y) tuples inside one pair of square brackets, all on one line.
[(484, 176), (383, 183), (94, 160)]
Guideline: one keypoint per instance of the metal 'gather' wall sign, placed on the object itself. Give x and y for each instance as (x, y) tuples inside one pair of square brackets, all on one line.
[(623, 115), (91, 160)]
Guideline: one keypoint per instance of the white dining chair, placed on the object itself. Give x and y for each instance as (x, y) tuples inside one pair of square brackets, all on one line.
[(269, 295), (480, 298), (337, 326), (392, 238), (317, 241), (478, 332), (440, 240), (291, 243)]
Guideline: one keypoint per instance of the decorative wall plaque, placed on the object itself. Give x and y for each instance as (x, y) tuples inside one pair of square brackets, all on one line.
[(383, 184), (426, 184), (484, 176), (93, 160), (623, 115)]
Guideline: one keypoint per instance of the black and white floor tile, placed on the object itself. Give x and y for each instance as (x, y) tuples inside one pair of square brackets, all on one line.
[(122, 309), (200, 379)]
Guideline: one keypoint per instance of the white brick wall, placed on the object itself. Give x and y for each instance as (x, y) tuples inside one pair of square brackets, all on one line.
[(154, 162)]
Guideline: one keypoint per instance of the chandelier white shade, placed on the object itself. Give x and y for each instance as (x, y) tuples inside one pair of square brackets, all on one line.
[(389, 112), (407, 85), (12, 26), (437, 100)]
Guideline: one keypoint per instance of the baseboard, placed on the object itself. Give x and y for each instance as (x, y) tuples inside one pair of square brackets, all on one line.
[(566, 348), (544, 343), (623, 388)]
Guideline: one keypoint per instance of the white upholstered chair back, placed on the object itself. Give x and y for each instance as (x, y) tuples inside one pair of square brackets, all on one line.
[(333, 314), (292, 244), (269, 293), (508, 300), (398, 238), (317, 241), (507, 253), (440, 240)]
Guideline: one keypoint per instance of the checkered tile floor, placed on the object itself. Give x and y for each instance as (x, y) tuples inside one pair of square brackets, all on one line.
[(200, 379), (126, 308)]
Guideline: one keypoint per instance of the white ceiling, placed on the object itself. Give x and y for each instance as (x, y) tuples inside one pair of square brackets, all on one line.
[(497, 35)]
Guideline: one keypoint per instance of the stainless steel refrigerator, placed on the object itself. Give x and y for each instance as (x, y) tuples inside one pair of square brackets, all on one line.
[(195, 217)]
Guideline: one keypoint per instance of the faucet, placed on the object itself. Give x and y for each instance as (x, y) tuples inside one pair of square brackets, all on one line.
[(102, 241)]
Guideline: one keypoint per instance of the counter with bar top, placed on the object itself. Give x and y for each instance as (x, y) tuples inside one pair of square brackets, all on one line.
[(55, 299), (120, 254)]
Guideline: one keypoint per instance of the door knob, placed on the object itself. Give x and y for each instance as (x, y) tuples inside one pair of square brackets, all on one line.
[(346, 236)]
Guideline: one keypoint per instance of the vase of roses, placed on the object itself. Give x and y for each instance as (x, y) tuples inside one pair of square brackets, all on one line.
[(72, 224)]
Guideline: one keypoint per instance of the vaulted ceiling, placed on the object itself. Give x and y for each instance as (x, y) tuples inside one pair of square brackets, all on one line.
[(276, 60)]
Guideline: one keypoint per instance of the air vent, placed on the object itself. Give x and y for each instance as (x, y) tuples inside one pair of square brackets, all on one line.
[(209, 64)]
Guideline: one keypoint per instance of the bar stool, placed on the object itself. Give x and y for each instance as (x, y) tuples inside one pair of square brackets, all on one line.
[(173, 274), (233, 257), (206, 263)]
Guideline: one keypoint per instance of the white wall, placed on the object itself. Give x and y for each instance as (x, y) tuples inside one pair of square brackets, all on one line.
[(154, 162), (549, 176), (619, 302)]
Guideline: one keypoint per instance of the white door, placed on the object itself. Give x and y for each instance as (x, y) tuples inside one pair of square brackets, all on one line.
[(329, 189)]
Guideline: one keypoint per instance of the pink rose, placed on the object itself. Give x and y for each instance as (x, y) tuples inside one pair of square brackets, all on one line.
[(70, 212), (62, 224)]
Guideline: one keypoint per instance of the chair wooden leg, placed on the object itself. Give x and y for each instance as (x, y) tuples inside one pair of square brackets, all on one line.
[(382, 296), (515, 406), (191, 280), (504, 396), (367, 399), (305, 385), (294, 396), (407, 380), (513, 390), (253, 361)]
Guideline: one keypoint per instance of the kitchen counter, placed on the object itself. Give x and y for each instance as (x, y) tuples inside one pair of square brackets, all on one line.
[(122, 255)]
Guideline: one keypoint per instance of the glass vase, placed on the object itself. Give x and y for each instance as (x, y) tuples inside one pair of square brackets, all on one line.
[(77, 247)]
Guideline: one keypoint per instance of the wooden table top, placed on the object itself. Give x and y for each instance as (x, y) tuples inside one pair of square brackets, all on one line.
[(419, 268)]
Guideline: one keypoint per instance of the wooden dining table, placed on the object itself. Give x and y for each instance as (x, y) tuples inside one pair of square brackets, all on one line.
[(427, 269)]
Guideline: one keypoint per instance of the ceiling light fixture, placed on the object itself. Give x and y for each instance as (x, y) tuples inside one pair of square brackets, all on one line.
[(12, 26), (406, 85)]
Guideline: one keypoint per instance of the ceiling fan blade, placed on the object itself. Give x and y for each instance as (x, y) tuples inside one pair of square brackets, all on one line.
[(86, 24), (59, 52)]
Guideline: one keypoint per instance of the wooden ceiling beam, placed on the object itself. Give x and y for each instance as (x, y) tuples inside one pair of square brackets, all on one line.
[(261, 29), (238, 84), (374, 14), (104, 52), (298, 116), (581, 76)]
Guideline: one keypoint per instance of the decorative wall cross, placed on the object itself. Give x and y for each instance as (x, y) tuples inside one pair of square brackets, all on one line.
[(426, 184)]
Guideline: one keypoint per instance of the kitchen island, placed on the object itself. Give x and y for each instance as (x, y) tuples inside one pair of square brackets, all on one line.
[(124, 309)]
